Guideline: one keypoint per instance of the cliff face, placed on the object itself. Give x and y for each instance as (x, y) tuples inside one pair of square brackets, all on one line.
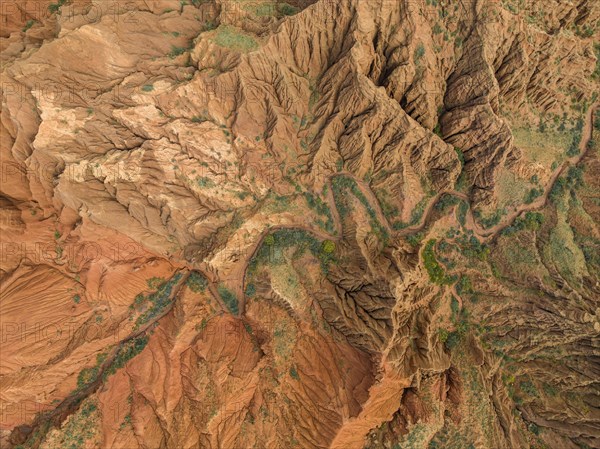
[(342, 224)]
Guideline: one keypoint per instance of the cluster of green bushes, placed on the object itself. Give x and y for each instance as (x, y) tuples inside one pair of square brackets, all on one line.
[(321, 207), (228, 298), (460, 155), (437, 275), (460, 320), (446, 201), (294, 373), (415, 239), (585, 31), (204, 182), (196, 282), (461, 213), (419, 53), (415, 216), (80, 429), (492, 220), (125, 353), (272, 9), (296, 238), (449, 437), (573, 149), (533, 194), (250, 290), (389, 210), (572, 181), (464, 286), (154, 282), (528, 387), (157, 301), (417, 212), (55, 7), (234, 39), (29, 24), (471, 247), (532, 221), (176, 51), (89, 375), (596, 73), (590, 247)]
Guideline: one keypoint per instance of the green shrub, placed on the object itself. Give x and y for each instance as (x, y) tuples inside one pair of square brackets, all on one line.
[(532, 221), (527, 387), (234, 39), (250, 290), (158, 300), (460, 155), (533, 194), (291, 238), (417, 212), (125, 353), (452, 340), (443, 335), (228, 298), (154, 282), (434, 269), (388, 209), (419, 53), (596, 73), (147, 87), (321, 207), (461, 213), (89, 375), (294, 373), (328, 247), (204, 182), (446, 201), (196, 282), (287, 10), (28, 25), (550, 390), (572, 181), (55, 7), (176, 51), (464, 285), (209, 25), (471, 248), (492, 220), (267, 9), (415, 239)]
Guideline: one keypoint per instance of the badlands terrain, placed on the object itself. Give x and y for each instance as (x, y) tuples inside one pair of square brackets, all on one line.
[(344, 224)]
